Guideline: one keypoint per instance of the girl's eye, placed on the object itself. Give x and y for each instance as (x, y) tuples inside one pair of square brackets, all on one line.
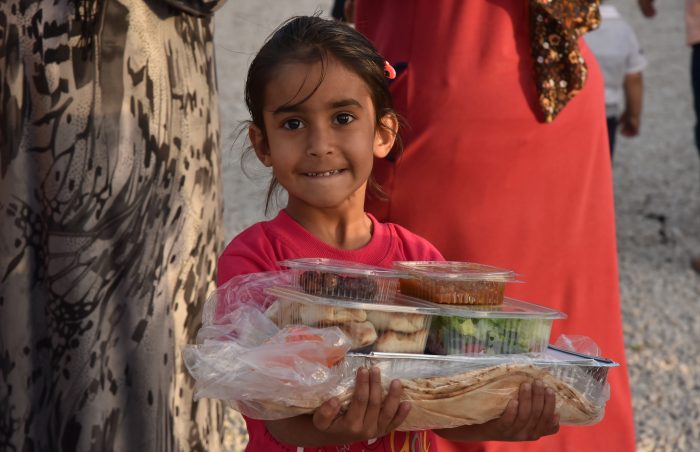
[(293, 124), (344, 118)]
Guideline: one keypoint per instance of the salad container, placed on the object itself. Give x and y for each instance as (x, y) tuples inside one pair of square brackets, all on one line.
[(398, 324), (450, 282), (512, 327), (342, 279)]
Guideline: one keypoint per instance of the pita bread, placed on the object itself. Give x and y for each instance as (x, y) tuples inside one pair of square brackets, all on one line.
[(397, 321), (283, 313), (329, 315), (479, 396), (393, 342), (468, 398), (361, 334)]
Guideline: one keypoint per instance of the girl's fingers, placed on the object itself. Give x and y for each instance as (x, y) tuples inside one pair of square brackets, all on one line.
[(538, 396), (358, 404), (391, 406), (548, 422), (399, 417), (325, 414), (524, 407), (509, 414), (374, 403)]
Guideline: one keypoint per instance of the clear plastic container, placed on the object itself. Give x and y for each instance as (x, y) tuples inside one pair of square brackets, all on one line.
[(398, 324), (450, 282), (342, 279), (562, 363), (511, 327), (448, 391)]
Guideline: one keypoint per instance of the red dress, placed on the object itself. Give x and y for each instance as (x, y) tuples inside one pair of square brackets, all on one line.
[(485, 181)]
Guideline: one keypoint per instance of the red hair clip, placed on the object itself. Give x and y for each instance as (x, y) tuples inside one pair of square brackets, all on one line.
[(389, 71)]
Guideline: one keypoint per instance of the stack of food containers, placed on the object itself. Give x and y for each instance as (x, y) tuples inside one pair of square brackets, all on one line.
[(424, 317), (442, 308)]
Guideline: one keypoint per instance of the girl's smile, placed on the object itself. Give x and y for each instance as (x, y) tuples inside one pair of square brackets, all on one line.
[(325, 173)]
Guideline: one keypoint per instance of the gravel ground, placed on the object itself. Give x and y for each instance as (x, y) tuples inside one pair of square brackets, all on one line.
[(657, 194)]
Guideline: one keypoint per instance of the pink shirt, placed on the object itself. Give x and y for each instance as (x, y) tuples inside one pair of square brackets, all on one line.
[(262, 245)]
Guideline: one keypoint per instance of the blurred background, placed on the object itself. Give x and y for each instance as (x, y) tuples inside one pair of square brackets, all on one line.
[(657, 196)]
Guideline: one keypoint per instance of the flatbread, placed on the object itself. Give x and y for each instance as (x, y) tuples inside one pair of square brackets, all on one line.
[(361, 334), (394, 342), (479, 396), (397, 321), (468, 398), (321, 315), (283, 313)]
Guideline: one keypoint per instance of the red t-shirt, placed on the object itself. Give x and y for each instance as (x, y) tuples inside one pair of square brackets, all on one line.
[(262, 245)]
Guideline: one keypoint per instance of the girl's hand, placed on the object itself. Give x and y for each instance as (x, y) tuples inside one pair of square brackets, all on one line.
[(367, 416), (526, 419), (529, 418)]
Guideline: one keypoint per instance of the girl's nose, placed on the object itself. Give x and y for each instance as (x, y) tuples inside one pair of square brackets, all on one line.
[(320, 142)]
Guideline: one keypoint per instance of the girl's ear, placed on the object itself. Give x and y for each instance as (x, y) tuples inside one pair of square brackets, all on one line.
[(257, 138), (385, 135)]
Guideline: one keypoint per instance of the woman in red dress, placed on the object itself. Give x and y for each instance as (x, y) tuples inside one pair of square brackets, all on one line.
[(486, 179)]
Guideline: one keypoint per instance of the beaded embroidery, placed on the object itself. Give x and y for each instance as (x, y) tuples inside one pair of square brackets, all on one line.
[(560, 71)]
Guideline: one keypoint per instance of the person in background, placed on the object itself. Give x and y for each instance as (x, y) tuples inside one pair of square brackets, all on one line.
[(615, 45), (692, 29), (110, 222), (506, 162)]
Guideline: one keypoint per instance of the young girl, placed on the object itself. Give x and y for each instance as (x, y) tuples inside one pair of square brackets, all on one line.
[(321, 111)]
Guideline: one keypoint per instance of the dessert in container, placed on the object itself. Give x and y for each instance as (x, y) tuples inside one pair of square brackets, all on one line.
[(396, 324), (508, 328), (342, 279), (451, 282)]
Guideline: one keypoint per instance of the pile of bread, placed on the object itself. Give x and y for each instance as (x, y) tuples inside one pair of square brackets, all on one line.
[(397, 331), (471, 397)]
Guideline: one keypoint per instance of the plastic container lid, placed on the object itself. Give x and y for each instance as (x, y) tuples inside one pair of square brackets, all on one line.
[(397, 303), (579, 359), (338, 266), (510, 309), (551, 356), (455, 271)]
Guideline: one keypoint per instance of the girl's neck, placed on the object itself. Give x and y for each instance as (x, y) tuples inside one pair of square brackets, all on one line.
[(340, 228)]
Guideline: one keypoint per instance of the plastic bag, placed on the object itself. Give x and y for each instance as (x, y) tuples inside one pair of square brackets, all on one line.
[(577, 344), (242, 290), (241, 356)]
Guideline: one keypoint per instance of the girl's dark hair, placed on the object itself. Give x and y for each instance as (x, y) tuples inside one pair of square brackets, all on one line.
[(311, 39)]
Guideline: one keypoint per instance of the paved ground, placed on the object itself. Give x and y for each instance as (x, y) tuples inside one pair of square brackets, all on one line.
[(657, 192)]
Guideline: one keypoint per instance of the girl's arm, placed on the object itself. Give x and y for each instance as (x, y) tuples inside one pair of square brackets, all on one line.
[(367, 416), (526, 419)]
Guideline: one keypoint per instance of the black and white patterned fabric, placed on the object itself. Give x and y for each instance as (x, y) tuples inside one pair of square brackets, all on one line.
[(110, 214)]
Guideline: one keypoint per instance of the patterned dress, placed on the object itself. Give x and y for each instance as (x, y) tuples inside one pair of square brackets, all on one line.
[(110, 214)]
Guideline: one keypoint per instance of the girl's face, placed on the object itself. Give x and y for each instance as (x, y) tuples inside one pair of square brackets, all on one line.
[(321, 150)]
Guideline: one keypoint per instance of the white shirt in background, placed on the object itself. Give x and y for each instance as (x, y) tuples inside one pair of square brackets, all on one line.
[(617, 50)]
